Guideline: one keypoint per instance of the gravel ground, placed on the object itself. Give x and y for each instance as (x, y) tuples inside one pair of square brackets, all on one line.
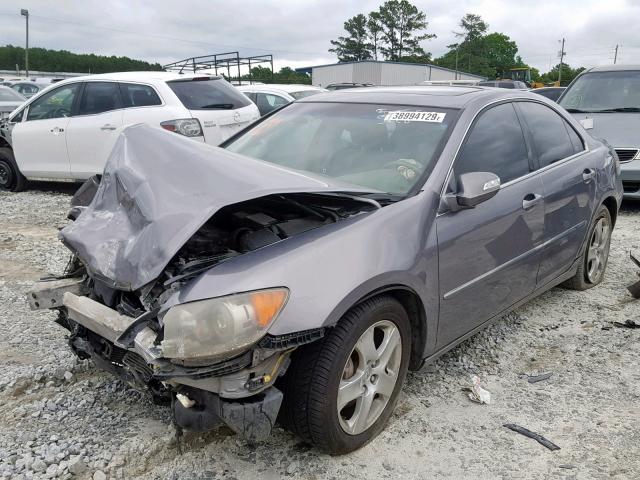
[(64, 418)]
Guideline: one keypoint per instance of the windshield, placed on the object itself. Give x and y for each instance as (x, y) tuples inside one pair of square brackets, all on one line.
[(10, 95), (304, 93), (386, 148), (205, 93), (598, 91)]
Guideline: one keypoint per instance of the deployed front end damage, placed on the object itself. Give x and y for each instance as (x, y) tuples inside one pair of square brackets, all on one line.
[(165, 212)]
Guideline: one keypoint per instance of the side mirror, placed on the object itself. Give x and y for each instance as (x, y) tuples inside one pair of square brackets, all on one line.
[(476, 187)]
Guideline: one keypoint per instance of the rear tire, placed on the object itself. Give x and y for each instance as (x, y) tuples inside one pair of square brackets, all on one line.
[(318, 404), (596, 255), (10, 177)]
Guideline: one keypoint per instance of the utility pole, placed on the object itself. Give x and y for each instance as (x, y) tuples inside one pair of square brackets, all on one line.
[(25, 14), (615, 55), (562, 54), (457, 62)]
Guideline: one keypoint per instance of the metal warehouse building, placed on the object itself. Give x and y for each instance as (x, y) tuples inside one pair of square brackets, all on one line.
[(382, 73)]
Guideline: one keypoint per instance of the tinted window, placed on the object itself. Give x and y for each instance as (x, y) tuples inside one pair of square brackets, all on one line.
[(17, 118), (267, 102), (550, 93), (99, 97), (54, 104), (550, 137), (507, 85), (576, 141), (496, 144), (134, 95), (487, 84), (208, 94)]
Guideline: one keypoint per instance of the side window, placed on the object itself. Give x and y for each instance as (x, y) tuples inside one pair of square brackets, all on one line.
[(99, 97), (17, 118), (578, 146), (496, 144), (550, 137), (135, 95), (267, 102), (55, 104)]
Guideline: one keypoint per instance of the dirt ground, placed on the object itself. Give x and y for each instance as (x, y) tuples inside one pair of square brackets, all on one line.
[(62, 418)]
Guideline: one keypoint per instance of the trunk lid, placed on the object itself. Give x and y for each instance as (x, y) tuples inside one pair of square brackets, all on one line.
[(218, 125)]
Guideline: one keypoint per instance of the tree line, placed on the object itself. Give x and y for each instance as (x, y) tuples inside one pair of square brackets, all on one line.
[(395, 30), (46, 60)]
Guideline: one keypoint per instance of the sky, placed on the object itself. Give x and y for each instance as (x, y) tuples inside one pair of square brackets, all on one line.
[(297, 33)]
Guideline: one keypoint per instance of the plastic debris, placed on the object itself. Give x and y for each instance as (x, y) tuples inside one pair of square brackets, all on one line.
[(539, 378), (477, 393), (627, 324), (536, 436)]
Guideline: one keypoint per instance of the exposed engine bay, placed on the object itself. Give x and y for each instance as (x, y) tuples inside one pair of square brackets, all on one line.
[(123, 333)]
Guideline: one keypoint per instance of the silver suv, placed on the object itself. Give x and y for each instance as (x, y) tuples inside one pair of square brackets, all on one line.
[(606, 101)]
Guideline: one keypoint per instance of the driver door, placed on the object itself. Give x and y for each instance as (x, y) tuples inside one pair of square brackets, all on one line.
[(39, 142)]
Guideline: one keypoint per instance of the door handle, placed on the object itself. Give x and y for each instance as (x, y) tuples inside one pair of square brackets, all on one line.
[(57, 130), (108, 127), (588, 174), (530, 200)]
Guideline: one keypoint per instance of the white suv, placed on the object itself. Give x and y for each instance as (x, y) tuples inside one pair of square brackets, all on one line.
[(67, 131)]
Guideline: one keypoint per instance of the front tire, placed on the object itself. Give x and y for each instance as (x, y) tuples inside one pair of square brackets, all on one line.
[(10, 177), (596, 255), (340, 391)]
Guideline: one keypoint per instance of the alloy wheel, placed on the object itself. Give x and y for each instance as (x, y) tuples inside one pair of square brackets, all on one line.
[(369, 377), (598, 250)]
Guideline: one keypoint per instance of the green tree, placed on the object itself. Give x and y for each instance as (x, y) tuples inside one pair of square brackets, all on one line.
[(285, 75), (402, 23), (500, 52), (63, 61), (374, 29), (356, 45), (568, 74)]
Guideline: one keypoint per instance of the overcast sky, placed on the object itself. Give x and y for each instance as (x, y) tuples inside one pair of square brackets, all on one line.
[(297, 33)]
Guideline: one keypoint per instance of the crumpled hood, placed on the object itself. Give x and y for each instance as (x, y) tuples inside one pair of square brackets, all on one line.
[(157, 190), (620, 130)]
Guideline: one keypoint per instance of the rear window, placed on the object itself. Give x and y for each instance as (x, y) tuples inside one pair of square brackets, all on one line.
[(208, 94), (304, 93)]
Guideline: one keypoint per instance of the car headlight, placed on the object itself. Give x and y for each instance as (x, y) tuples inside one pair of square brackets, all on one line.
[(220, 327)]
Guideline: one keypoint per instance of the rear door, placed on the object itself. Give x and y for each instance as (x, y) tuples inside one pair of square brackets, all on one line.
[(568, 174), (40, 141), (221, 109), (92, 133), (488, 255)]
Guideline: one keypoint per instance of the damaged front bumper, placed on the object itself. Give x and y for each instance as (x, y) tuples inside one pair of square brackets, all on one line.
[(238, 392)]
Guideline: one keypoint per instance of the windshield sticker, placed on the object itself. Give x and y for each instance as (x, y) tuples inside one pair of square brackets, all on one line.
[(436, 117)]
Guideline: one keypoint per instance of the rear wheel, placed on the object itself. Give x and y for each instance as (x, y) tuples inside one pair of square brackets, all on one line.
[(10, 176), (594, 261), (340, 391)]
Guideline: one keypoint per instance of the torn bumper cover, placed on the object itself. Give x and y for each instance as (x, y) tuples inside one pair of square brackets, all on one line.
[(238, 392)]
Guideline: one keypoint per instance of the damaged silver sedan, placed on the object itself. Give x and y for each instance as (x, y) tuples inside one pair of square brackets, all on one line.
[(301, 270)]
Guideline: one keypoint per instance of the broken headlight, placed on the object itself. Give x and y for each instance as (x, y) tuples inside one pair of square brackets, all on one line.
[(220, 327)]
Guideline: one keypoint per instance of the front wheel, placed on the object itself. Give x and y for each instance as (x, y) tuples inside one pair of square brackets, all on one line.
[(596, 255), (10, 176), (341, 391)]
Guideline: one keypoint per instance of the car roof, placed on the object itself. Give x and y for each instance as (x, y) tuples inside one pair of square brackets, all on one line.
[(285, 87), (149, 76), (613, 68), (423, 95)]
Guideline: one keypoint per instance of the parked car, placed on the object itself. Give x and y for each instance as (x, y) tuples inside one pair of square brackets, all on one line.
[(552, 93), (9, 101), (606, 100), (345, 85), (26, 89), (269, 97), (512, 84), (327, 249), (66, 131)]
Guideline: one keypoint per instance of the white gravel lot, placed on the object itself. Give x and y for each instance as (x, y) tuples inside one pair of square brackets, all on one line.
[(62, 418)]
